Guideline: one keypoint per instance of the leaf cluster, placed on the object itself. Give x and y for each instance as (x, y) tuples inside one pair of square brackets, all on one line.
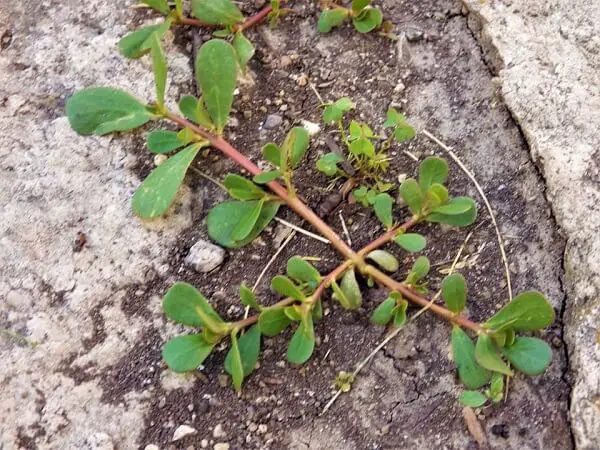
[(364, 17)]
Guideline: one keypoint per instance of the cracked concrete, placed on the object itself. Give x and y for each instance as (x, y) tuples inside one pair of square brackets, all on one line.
[(548, 56), (84, 306)]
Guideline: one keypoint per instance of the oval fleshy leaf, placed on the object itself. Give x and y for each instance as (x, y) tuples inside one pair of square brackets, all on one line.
[(470, 373), (385, 260), (286, 287), (273, 321), (302, 344), (302, 270), (163, 141), (331, 18), (454, 292), (527, 311), (384, 312), (411, 193), (217, 12), (185, 353), (473, 399), (181, 303), (158, 190), (530, 355), (383, 209), (487, 356), (432, 170), (411, 242)]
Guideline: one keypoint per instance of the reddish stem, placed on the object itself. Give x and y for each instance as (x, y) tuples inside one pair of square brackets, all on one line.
[(248, 23), (388, 236)]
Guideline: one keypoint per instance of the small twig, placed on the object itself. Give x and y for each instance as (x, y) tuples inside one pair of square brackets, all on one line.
[(314, 89), (485, 200), (302, 230), (346, 232), (410, 155), (209, 178)]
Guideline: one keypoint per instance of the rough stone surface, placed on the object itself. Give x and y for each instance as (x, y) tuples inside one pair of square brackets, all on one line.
[(548, 57), (272, 121), (205, 256)]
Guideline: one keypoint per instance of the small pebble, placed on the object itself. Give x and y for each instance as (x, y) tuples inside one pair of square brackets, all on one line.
[(183, 431), (272, 121), (218, 432)]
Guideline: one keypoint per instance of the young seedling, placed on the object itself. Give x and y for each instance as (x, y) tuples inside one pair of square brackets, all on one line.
[(233, 223), (364, 17)]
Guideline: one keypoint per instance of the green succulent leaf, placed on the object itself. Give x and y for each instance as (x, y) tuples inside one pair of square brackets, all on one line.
[(385, 260), (267, 177), (158, 190), (449, 213), (411, 193), (248, 298), (273, 321), (286, 287), (328, 164), (185, 353), (454, 292), (359, 5), (163, 141), (419, 270), (528, 311), (331, 18), (216, 74), (411, 242), (302, 344), (181, 304), (496, 390), (301, 270), (473, 399), (487, 356), (404, 132), (393, 118), (137, 43), (159, 67), (530, 355), (368, 20), (400, 314), (470, 373), (432, 170), (336, 110), (102, 110), (384, 312), (243, 49), (362, 146), (159, 5), (195, 110), (437, 194), (383, 209), (247, 223), (223, 218), (348, 292), (217, 12), (233, 364), (242, 188), (272, 153), (294, 147)]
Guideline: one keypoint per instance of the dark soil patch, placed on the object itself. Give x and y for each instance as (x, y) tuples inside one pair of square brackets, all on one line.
[(407, 397)]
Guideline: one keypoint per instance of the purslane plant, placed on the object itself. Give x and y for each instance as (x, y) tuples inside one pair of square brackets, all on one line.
[(485, 362), (364, 17)]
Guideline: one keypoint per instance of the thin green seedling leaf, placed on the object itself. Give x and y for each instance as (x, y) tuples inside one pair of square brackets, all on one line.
[(102, 110), (411, 242), (295, 145), (181, 303), (243, 49), (267, 177), (472, 375), (159, 67), (217, 12), (242, 188), (223, 218), (528, 311), (248, 298), (302, 344), (487, 356), (383, 209), (286, 287), (411, 193), (233, 363), (185, 353), (432, 170), (158, 190), (163, 141), (272, 153), (273, 321), (362, 146), (529, 355), (328, 163), (245, 226), (335, 111), (301, 270), (331, 18), (454, 292), (473, 399), (385, 260), (369, 20), (136, 44), (393, 118), (216, 74)]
